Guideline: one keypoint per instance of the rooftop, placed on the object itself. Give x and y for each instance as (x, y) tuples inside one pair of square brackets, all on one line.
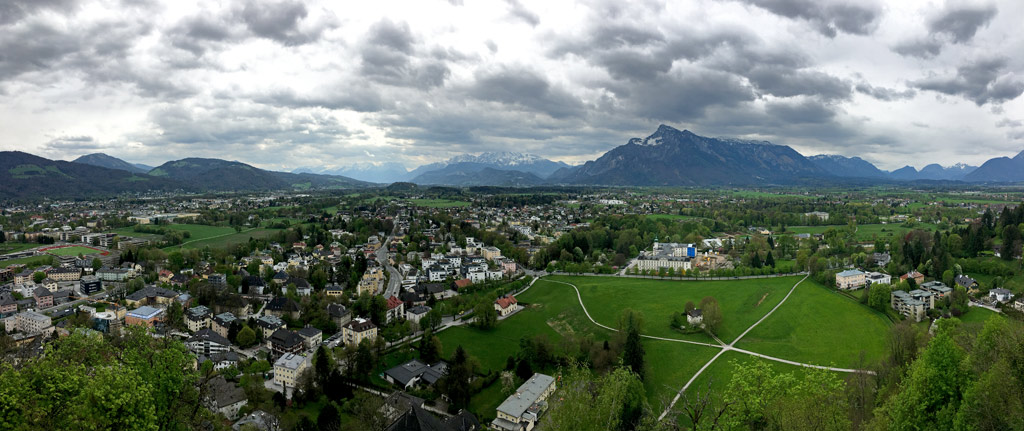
[(145, 312), (527, 394), (290, 361)]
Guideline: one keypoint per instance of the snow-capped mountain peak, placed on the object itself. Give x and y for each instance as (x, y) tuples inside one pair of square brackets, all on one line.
[(503, 158)]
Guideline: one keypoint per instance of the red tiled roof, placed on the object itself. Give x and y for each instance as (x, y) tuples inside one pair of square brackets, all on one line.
[(393, 302), (459, 284), (506, 301)]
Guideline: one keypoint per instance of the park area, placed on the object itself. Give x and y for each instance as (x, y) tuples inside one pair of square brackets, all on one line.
[(814, 326), (201, 236), (73, 250)]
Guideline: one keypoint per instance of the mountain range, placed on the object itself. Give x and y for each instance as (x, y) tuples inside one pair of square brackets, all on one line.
[(668, 157)]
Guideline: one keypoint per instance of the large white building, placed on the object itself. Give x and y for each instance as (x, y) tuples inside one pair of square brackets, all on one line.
[(520, 411), (668, 255), (287, 369), (850, 279)]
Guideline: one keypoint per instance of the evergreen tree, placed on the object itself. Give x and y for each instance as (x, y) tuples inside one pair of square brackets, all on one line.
[(633, 352), (769, 260)]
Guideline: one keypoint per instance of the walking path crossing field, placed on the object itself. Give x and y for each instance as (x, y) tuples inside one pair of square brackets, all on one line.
[(721, 344)]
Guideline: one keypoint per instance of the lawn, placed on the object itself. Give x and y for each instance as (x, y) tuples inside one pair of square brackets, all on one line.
[(231, 239), (978, 315), (821, 327), (867, 232), (554, 312), (31, 262), (73, 251), (671, 217), (439, 203), (11, 247), (743, 302)]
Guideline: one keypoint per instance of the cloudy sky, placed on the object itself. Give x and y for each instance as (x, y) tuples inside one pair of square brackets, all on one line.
[(302, 83)]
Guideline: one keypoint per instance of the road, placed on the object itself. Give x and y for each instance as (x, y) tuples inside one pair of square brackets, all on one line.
[(394, 287)]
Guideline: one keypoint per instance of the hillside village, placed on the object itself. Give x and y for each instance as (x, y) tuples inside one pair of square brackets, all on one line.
[(302, 278)]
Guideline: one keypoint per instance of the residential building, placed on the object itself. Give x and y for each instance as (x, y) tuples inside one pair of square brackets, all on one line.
[(396, 309), (197, 318), (64, 274), (881, 259), (8, 306), (287, 369), (282, 306), (114, 275), (490, 253), (917, 276), (334, 289), (221, 323), (145, 315), (225, 398), (966, 282), (90, 284), (268, 324), (416, 313), (258, 420), (31, 322), (938, 288), (284, 341), (823, 216), (521, 410), (150, 295), (206, 342), (850, 279), (1001, 295), (357, 330), (415, 372), (877, 278), (506, 305), (694, 317), (311, 337), (43, 297), (220, 360), (339, 314), (908, 305)]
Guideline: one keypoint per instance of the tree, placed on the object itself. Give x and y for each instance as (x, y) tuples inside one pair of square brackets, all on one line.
[(689, 306), (38, 277), (456, 383), (175, 315), (97, 264), (609, 402), (368, 411), (524, 370), (3, 237), (879, 297), (769, 260), (431, 321), (712, 314), (247, 337), (430, 348), (633, 352), (328, 419), (484, 315)]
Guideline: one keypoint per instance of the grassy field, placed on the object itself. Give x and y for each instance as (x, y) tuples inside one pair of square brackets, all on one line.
[(439, 203), (669, 366), (31, 262), (231, 239), (818, 326), (671, 217), (867, 232), (11, 247), (979, 315), (742, 301), (73, 251)]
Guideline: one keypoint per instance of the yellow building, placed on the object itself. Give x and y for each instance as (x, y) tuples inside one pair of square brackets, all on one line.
[(287, 369), (357, 330)]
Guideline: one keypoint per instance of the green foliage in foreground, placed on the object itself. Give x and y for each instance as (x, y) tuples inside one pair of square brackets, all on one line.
[(88, 382)]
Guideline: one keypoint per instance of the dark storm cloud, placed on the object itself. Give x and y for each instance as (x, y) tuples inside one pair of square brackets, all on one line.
[(633, 65), (389, 57), (982, 81), (920, 48), (355, 98), (885, 94), (73, 144), (14, 10), (278, 21), (527, 89), (1006, 122), (196, 33), (828, 19), (787, 82), (687, 95), (520, 12), (32, 47), (962, 22), (799, 112)]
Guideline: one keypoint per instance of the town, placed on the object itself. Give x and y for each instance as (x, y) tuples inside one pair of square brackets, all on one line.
[(413, 306)]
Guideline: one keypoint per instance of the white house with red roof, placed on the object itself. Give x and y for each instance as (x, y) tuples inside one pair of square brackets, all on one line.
[(506, 305)]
